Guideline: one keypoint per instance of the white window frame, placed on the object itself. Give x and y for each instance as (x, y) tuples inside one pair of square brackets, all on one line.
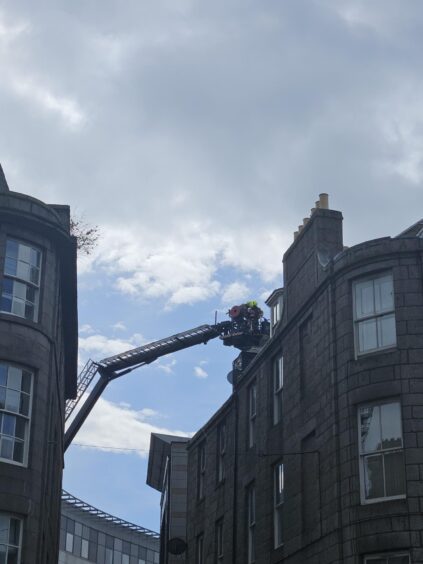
[(252, 414), (199, 557), (380, 452), (376, 315), (221, 451), (219, 540), (251, 523), (277, 369), (8, 412), (387, 555), (201, 470), (278, 500), (21, 281), (9, 544)]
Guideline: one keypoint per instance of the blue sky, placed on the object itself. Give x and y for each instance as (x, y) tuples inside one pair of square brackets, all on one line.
[(197, 136)]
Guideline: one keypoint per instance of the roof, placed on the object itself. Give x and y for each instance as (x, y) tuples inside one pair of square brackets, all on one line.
[(160, 446), (3, 182), (415, 230), (275, 294)]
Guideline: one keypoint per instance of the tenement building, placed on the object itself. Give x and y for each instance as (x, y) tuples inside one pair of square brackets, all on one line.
[(88, 534), (317, 455), (38, 364)]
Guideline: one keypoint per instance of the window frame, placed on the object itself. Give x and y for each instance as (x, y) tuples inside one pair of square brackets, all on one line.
[(369, 558), (199, 549), (221, 452), (201, 470), (26, 418), (277, 391), (278, 505), (21, 280), (219, 540), (252, 414), (381, 452), (376, 315), (8, 544), (251, 522)]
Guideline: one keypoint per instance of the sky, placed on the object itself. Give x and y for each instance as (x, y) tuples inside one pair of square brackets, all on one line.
[(197, 136)]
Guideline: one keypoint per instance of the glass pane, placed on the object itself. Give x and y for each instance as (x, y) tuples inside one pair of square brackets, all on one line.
[(18, 451), (35, 258), (384, 293), (399, 559), (394, 473), (18, 307), (19, 290), (29, 311), (2, 554), (370, 428), (9, 422), (12, 556), (23, 270), (14, 379), (12, 400), (10, 266), (4, 529), (14, 532), (364, 299), (24, 252), (30, 294), (6, 304), (20, 428), (69, 542), (391, 425), (34, 275), (26, 381), (3, 374), (8, 286), (387, 331), (278, 484), (373, 477), (367, 337), (2, 397), (12, 248), (6, 448)]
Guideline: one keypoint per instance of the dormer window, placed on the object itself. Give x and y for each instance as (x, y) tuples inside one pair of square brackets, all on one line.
[(275, 302)]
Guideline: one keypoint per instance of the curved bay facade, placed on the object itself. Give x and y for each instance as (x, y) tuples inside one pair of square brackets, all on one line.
[(38, 362)]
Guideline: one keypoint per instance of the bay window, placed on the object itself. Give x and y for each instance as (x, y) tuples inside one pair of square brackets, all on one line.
[(10, 539)]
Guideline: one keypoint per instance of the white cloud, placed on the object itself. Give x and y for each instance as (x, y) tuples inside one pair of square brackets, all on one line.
[(112, 425), (200, 372), (100, 346), (235, 293), (166, 366), (119, 326), (87, 329)]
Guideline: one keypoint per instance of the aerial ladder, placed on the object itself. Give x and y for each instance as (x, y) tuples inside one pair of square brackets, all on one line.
[(246, 329)]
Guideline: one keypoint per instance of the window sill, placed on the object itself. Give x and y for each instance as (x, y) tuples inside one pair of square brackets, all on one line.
[(374, 352), (383, 499)]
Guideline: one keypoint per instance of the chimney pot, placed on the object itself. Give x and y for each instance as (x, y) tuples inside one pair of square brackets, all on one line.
[(324, 201)]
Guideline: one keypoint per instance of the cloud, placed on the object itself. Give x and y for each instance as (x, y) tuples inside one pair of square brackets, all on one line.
[(236, 292), (99, 346), (87, 329), (118, 426), (166, 366), (119, 326), (200, 372)]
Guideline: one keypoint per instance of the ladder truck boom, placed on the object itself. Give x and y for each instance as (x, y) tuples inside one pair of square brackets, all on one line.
[(115, 366)]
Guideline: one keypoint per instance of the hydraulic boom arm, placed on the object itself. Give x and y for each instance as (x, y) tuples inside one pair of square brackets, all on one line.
[(111, 368)]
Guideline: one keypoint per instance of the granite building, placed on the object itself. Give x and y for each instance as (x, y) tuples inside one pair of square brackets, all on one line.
[(38, 370), (88, 534), (317, 455)]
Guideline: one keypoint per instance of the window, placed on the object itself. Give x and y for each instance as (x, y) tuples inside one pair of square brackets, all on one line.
[(21, 283), (219, 541), (251, 523), (252, 413), (69, 542), (15, 406), (381, 452), (275, 314), (277, 388), (374, 316), (201, 469), (10, 539), (84, 548), (393, 558), (221, 451), (199, 557), (278, 499)]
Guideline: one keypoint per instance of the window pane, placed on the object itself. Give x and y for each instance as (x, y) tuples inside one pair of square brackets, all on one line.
[(3, 375), (10, 266), (14, 532), (24, 404), (12, 556), (8, 286), (4, 529), (12, 400), (367, 335), (391, 425), (9, 424), (18, 307), (19, 290), (14, 379), (6, 304), (2, 397), (23, 270), (24, 252), (6, 448), (12, 248), (35, 258), (370, 428), (2, 554), (18, 451), (387, 331), (364, 299), (384, 293), (26, 381), (394, 473), (20, 428), (69, 542), (373, 476)]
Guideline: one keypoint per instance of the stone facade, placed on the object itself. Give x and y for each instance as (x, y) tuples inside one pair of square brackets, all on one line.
[(346, 427), (38, 363)]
